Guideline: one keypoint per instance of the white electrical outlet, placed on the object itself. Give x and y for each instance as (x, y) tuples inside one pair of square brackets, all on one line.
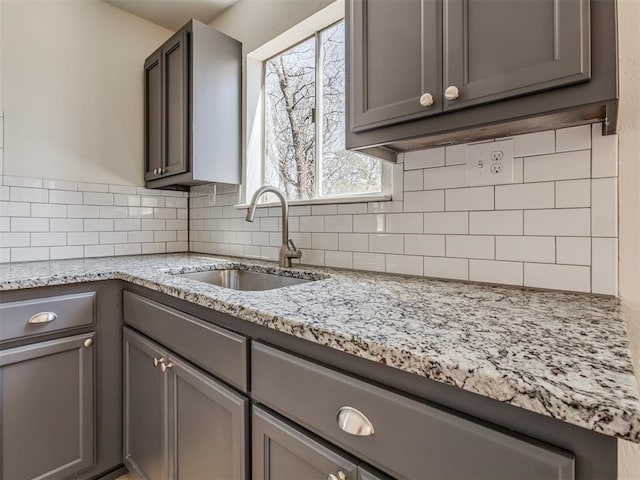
[(490, 163)]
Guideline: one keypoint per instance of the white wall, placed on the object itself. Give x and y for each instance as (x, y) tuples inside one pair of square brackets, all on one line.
[(629, 175), (72, 86)]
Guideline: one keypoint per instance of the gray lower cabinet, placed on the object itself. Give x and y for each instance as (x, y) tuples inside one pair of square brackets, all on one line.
[(283, 452), (179, 422), (47, 407)]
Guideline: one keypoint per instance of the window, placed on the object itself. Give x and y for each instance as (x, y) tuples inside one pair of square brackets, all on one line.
[(304, 123)]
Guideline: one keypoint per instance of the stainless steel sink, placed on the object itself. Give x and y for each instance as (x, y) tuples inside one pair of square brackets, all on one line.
[(243, 279)]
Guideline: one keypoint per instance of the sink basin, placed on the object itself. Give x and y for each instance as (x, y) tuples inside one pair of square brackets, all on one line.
[(243, 279)]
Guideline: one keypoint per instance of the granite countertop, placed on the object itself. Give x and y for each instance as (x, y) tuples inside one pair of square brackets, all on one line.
[(562, 355)]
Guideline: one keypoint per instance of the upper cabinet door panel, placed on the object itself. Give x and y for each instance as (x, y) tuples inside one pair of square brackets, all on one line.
[(176, 104), (498, 49), (396, 58), (153, 116)]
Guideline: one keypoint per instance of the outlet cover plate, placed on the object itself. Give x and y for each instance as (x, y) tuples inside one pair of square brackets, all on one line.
[(490, 163)]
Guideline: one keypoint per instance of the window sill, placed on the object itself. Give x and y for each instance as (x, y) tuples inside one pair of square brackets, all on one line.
[(374, 197)]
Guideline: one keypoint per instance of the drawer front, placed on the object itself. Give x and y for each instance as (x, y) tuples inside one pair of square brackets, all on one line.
[(407, 439), (28, 318), (219, 351)]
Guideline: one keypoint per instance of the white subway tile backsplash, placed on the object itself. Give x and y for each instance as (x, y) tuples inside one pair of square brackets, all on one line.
[(538, 143), (424, 201), (15, 209), (66, 224), (312, 224), (64, 252), (96, 198), (321, 210), (442, 267), (28, 182), (59, 185), (83, 211), (525, 196), (83, 238), (45, 239), (467, 199), (558, 166), (405, 222), (404, 264), (324, 241), (29, 254), (426, 245), (604, 207), (604, 274), (446, 222), (526, 249), (48, 210), (98, 225), (20, 224), (573, 138), (338, 223), (14, 239), (65, 197), (573, 250), (574, 222), (99, 251), (354, 242), (386, 243), (128, 249), (506, 222), (557, 277), (455, 154), (413, 180), (113, 237), (352, 208), (374, 262), (368, 223), (492, 271), (470, 246), (338, 259), (94, 187), (445, 177), (573, 193), (386, 207), (21, 194), (604, 153), (433, 157)]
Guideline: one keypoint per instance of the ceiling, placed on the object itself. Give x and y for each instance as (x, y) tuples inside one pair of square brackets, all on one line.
[(173, 14)]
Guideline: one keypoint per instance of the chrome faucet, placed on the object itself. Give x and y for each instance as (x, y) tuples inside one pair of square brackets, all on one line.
[(288, 249)]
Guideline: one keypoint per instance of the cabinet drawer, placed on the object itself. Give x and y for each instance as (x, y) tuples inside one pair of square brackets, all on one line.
[(219, 351), (27, 318), (409, 439)]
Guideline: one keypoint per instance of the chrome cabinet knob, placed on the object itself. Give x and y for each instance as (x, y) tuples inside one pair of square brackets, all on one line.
[(338, 476), (451, 93), (426, 100), (354, 422), (43, 317), (165, 366), (88, 342), (155, 171), (158, 361)]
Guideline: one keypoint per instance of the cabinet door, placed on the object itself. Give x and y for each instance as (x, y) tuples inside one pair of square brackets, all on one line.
[(208, 424), (175, 63), (47, 398), (153, 116), (145, 398), (283, 452), (394, 57), (497, 49)]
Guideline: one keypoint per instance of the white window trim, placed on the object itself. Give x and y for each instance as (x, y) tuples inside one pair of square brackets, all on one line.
[(253, 165)]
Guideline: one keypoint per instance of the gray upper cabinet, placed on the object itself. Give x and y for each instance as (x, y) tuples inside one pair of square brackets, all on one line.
[(193, 109), (431, 72), (284, 452), (153, 116), (497, 49), (396, 72), (47, 401)]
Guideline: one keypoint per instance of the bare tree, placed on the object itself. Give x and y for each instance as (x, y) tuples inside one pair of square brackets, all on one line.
[(290, 153)]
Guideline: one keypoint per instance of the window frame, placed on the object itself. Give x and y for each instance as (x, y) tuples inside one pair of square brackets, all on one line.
[(254, 112)]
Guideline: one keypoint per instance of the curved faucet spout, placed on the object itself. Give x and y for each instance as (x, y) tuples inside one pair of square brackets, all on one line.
[(288, 249)]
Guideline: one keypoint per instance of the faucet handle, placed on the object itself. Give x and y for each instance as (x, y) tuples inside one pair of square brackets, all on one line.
[(294, 252)]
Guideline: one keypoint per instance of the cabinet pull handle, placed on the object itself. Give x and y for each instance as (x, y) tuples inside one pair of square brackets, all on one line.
[(426, 100), (451, 93), (158, 361), (165, 366), (354, 422), (43, 317), (338, 476)]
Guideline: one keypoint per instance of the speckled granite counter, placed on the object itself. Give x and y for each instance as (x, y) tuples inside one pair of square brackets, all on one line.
[(558, 354)]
